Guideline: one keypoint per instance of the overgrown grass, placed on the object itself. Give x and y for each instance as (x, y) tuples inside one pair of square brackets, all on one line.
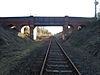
[(80, 38), (12, 57)]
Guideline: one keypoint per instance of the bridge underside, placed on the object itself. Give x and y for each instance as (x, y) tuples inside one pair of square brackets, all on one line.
[(48, 24), (48, 21)]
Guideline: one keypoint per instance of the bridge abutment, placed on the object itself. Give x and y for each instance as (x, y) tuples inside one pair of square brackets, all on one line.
[(32, 32), (65, 27), (35, 33)]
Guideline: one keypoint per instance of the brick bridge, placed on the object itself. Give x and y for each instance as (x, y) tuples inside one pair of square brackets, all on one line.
[(33, 21)]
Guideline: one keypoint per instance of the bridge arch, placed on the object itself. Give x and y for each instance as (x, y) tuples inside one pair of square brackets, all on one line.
[(25, 30), (70, 26), (33, 21), (80, 27), (11, 26)]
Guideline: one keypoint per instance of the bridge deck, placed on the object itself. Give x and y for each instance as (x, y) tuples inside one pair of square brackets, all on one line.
[(49, 21), (43, 21)]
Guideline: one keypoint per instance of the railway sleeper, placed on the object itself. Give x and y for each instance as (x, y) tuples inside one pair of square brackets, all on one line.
[(57, 65), (57, 59), (58, 71), (60, 62)]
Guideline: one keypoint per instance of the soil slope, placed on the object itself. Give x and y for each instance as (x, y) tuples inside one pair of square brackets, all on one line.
[(83, 47), (13, 48)]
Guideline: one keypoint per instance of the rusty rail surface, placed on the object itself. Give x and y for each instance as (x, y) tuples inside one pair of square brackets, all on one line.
[(45, 59), (68, 58), (56, 61)]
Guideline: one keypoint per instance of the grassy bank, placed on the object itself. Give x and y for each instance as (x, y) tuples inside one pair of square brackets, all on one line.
[(13, 48), (12, 57)]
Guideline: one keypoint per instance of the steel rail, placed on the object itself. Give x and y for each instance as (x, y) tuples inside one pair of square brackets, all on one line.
[(68, 57), (45, 59)]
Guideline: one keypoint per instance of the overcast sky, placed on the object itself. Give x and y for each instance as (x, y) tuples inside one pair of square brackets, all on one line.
[(83, 8)]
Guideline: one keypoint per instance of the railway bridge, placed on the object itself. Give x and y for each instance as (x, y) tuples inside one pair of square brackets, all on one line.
[(33, 21)]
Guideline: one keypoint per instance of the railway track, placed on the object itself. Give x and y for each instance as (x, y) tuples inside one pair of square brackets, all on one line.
[(56, 61)]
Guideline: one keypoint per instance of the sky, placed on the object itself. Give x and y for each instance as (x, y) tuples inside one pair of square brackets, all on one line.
[(54, 29), (82, 8), (77, 8)]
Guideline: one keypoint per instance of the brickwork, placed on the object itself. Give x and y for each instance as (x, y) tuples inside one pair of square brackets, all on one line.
[(32, 21)]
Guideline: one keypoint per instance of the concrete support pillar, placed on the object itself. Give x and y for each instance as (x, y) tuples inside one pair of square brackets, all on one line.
[(22, 30), (35, 33), (65, 27), (31, 32), (63, 34), (31, 24), (65, 30)]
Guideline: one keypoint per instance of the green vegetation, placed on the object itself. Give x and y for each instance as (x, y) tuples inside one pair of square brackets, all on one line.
[(13, 49), (98, 15), (12, 57), (42, 31), (87, 39)]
